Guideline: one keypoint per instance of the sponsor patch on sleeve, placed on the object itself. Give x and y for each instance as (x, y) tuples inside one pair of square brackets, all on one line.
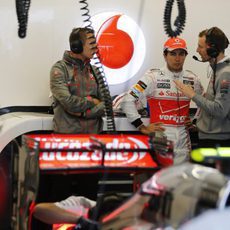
[(138, 89), (56, 73), (134, 93), (142, 85), (224, 87)]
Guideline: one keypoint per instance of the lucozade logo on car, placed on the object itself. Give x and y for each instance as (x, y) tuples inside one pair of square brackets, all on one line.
[(58, 151), (120, 151), (96, 155), (121, 46)]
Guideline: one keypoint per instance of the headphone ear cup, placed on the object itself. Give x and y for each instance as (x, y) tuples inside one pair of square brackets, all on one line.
[(212, 51), (77, 46)]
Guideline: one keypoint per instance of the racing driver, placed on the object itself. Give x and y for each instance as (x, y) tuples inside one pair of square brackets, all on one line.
[(169, 108)]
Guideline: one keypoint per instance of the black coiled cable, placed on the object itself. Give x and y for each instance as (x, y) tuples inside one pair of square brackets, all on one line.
[(87, 16), (104, 88), (22, 9), (180, 19), (99, 74)]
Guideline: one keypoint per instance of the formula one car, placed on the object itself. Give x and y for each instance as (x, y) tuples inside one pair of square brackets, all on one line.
[(171, 197), (57, 166)]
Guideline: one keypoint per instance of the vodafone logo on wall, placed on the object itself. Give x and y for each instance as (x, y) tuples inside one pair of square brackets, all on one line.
[(121, 45)]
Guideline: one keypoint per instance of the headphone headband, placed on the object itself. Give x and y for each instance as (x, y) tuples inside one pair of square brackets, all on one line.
[(217, 41), (213, 51)]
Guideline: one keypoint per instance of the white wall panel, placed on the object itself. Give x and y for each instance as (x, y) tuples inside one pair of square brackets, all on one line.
[(25, 63)]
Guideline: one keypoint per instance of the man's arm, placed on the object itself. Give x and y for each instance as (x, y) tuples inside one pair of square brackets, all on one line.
[(97, 111), (142, 89), (153, 127), (60, 91), (51, 214), (220, 106)]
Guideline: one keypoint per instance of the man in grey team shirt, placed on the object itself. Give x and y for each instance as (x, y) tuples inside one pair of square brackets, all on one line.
[(213, 121)]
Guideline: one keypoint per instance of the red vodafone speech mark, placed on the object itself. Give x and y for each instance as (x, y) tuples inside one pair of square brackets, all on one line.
[(115, 46)]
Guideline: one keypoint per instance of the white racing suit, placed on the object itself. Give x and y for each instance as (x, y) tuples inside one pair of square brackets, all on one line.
[(166, 105)]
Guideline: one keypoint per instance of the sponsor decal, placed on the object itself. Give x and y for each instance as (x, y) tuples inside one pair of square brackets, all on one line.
[(121, 43), (142, 84), (56, 73), (83, 152), (163, 85), (163, 80), (64, 152), (186, 82), (189, 78), (224, 86), (162, 73), (173, 109), (177, 119), (88, 156), (173, 94), (155, 70), (135, 93), (92, 78), (84, 155), (138, 88)]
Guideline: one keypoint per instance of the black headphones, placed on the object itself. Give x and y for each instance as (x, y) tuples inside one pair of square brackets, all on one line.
[(76, 44), (213, 51)]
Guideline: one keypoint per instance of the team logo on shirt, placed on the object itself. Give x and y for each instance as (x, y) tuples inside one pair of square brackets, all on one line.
[(91, 77)]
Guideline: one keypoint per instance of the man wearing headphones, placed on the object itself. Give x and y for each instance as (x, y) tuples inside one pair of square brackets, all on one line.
[(78, 106), (213, 120), (169, 109), (78, 210)]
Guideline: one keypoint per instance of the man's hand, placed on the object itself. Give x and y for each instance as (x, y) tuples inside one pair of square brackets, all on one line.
[(153, 127), (96, 101), (187, 90), (189, 125)]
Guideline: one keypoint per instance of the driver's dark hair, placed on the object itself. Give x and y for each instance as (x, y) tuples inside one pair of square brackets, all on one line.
[(166, 51), (105, 204)]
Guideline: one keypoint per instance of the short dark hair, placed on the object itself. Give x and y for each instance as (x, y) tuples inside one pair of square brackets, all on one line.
[(215, 36), (79, 34), (105, 204), (167, 51)]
